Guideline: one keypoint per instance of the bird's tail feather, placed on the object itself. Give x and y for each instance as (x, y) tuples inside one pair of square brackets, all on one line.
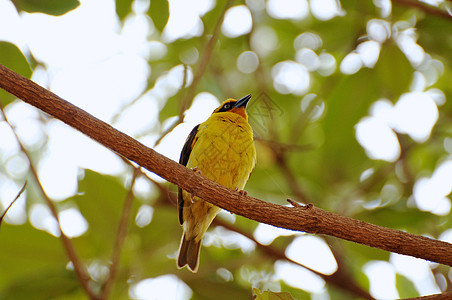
[(189, 253)]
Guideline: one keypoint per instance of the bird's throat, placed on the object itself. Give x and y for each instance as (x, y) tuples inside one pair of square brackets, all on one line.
[(240, 111)]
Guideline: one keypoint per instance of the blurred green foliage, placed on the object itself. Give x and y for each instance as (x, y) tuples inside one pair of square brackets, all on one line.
[(12, 57), (267, 295), (51, 7), (159, 13), (322, 154)]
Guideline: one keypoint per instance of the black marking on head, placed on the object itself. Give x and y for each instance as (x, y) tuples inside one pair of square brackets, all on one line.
[(227, 106)]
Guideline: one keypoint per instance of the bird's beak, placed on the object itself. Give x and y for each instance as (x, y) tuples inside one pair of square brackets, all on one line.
[(242, 102)]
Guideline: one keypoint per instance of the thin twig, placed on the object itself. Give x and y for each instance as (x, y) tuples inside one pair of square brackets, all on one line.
[(120, 237), (296, 204), (79, 269), (11, 204)]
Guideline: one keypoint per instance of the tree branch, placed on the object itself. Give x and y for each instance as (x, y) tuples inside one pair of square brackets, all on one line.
[(311, 219)]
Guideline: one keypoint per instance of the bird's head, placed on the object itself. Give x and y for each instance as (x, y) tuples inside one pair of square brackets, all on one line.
[(235, 106)]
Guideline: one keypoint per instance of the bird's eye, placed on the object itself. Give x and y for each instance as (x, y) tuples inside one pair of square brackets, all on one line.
[(227, 106)]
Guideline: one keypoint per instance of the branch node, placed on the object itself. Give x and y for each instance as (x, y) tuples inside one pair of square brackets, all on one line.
[(298, 205)]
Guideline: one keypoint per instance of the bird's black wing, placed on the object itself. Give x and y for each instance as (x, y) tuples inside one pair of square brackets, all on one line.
[(183, 160)]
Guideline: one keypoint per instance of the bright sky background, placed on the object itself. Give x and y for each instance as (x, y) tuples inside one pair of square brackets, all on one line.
[(100, 66)]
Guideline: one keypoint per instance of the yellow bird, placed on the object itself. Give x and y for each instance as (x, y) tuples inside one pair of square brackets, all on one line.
[(221, 149)]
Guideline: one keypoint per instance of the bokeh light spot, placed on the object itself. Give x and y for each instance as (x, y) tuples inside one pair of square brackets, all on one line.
[(237, 21), (288, 9), (72, 222), (162, 287), (264, 40), (291, 77), (415, 114), (351, 63), (325, 9), (247, 62)]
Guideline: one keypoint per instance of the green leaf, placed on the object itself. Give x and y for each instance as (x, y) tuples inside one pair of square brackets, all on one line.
[(12, 58), (348, 102), (211, 287), (296, 293), (25, 251), (50, 7), (123, 8), (157, 240), (171, 108), (44, 284), (430, 30), (211, 17), (100, 201), (159, 13), (267, 295), (393, 72), (413, 220), (405, 287)]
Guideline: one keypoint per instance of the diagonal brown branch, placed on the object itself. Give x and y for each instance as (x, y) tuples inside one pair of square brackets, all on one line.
[(312, 220), (79, 269)]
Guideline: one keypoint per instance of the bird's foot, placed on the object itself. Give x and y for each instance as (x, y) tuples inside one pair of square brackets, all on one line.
[(241, 192), (196, 170)]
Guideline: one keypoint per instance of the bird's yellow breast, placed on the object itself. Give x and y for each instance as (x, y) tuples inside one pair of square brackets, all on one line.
[(224, 150)]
